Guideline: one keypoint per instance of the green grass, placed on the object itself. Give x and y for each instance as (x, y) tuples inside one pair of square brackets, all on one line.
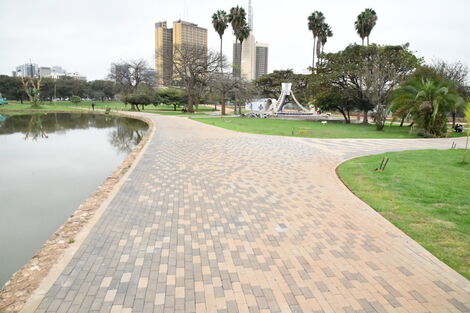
[(424, 193), (306, 128), (86, 105)]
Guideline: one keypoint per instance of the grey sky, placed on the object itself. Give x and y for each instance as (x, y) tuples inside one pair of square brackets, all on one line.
[(87, 35)]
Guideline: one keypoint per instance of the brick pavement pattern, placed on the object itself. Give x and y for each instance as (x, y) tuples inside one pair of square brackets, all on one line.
[(202, 226)]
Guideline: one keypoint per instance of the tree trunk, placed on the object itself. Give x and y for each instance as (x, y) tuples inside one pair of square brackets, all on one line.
[(362, 41), (453, 119), (314, 46), (190, 104), (174, 107), (367, 40), (346, 119), (365, 120), (222, 103), (220, 56), (402, 120)]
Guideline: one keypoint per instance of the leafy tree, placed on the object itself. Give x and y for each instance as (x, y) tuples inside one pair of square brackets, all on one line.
[(102, 89), (364, 24), (225, 84), (368, 74), (32, 87), (142, 96), (171, 96), (220, 23), (12, 88), (75, 99), (316, 21), (428, 102)]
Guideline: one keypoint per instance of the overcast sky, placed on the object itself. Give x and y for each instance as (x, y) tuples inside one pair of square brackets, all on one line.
[(87, 35)]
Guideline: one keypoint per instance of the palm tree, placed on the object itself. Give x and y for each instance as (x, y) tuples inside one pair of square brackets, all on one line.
[(364, 24), (237, 18), (315, 22), (427, 101), (220, 23), (325, 33)]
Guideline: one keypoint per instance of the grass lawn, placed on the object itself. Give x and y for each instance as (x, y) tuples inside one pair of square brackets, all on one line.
[(424, 193), (307, 128), (86, 105)]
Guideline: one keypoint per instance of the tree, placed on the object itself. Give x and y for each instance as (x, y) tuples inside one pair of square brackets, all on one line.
[(102, 89), (237, 18), (325, 33), (364, 24), (32, 87), (12, 88), (129, 75), (193, 67), (171, 96), (223, 85), (142, 96), (220, 23), (315, 24), (427, 101)]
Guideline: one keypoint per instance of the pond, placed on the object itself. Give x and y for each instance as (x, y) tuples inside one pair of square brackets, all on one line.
[(49, 164)]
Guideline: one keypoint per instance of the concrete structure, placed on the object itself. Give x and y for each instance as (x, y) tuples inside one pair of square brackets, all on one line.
[(177, 236), (166, 41), (27, 70), (261, 59), (45, 71)]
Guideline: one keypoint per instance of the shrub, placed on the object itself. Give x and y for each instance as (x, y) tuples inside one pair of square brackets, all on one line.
[(75, 99)]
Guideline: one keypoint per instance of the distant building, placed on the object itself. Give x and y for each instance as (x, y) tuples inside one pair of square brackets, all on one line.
[(77, 76), (163, 53), (13, 73), (261, 59), (45, 71), (27, 70), (166, 39)]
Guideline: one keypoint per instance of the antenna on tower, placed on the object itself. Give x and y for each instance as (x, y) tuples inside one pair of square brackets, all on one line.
[(250, 15)]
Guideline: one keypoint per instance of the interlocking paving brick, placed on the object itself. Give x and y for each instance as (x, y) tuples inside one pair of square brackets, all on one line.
[(202, 225)]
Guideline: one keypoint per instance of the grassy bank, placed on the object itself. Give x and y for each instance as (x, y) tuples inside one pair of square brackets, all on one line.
[(425, 194), (307, 128)]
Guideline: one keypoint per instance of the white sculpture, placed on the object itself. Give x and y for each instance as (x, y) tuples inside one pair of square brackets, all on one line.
[(276, 106)]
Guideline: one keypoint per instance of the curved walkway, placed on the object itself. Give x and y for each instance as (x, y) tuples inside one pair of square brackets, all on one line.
[(212, 220)]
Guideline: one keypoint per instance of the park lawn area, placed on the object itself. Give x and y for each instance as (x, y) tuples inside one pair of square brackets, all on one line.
[(306, 128), (424, 193)]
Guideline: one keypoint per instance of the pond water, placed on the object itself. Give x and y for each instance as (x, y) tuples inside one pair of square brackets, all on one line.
[(49, 164)]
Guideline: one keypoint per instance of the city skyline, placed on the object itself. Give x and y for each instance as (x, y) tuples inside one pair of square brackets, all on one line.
[(90, 40)]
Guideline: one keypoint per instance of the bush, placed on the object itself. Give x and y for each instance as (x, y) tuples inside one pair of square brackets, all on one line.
[(75, 99)]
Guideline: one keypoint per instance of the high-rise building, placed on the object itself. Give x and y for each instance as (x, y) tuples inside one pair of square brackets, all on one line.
[(168, 39), (261, 59), (45, 71), (27, 70), (163, 53), (245, 58)]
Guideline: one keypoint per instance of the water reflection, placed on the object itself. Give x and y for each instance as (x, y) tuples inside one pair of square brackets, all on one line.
[(126, 133), (49, 164)]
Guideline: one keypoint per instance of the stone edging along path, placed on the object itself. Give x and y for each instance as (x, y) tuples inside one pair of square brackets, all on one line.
[(64, 242)]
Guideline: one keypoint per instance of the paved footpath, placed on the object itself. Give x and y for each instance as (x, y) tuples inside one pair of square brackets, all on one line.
[(212, 220)]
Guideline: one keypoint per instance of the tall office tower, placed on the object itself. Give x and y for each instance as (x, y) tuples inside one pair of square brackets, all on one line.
[(248, 59), (237, 55), (261, 59), (166, 42), (27, 70), (163, 53), (45, 71)]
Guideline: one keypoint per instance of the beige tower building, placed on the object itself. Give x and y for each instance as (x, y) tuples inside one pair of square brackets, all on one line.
[(163, 53), (166, 39)]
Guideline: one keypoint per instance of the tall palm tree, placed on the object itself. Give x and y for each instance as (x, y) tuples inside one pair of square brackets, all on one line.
[(364, 24), (325, 33), (237, 18), (220, 23), (315, 22)]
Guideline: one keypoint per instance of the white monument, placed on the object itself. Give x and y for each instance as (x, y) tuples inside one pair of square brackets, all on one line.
[(277, 106)]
